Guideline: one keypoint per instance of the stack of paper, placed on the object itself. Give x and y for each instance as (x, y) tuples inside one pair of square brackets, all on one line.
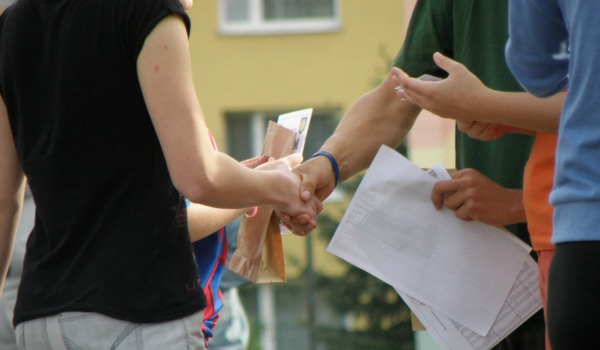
[(469, 283)]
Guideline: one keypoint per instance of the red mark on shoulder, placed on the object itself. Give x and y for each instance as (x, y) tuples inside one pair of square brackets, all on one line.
[(156, 68)]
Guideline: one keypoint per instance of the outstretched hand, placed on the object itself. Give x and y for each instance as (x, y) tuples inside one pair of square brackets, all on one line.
[(449, 98)]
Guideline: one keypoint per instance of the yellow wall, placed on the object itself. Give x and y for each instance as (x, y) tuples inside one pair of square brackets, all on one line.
[(288, 72)]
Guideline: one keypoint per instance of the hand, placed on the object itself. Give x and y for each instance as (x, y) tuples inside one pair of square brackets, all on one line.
[(473, 196), (187, 4), (317, 184), (454, 97), (483, 131), (306, 222)]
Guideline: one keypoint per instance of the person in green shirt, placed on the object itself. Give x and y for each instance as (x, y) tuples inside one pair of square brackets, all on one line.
[(473, 33)]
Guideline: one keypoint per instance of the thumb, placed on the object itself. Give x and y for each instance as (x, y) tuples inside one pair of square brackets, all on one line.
[(307, 183), (307, 188), (445, 63)]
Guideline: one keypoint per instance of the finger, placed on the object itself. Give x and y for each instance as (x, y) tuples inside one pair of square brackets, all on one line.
[(397, 75), (285, 219), (441, 191), (454, 201), (318, 207), (446, 63), (308, 181), (463, 214), (305, 230), (437, 196), (402, 79), (460, 174), (254, 162)]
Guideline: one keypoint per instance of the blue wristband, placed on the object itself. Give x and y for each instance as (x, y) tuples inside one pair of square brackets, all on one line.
[(334, 164)]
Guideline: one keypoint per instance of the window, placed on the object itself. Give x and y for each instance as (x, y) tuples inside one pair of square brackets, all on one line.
[(246, 131), (255, 17)]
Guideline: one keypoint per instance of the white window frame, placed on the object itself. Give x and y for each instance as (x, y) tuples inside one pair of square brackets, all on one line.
[(259, 26)]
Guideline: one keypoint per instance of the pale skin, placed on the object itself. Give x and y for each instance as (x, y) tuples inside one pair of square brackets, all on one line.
[(484, 114), (200, 173), (204, 220)]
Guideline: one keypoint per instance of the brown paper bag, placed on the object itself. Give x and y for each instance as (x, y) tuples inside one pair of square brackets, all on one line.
[(272, 268), (259, 253)]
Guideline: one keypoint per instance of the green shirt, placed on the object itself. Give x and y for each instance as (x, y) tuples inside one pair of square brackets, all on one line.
[(473, 32)]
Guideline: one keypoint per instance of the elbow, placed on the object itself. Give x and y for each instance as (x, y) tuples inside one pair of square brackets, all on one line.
[(541, 78), (545, 87), (198, 189)]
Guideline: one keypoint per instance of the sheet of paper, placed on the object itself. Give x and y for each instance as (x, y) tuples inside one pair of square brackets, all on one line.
[(523, 301), (299, 122), (464, 270)]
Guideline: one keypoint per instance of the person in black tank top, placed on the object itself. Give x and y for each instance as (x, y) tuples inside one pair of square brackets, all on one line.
[(99, 112)]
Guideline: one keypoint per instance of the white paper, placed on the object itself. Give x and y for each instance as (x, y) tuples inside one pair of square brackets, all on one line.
[(523, 301), (299, 122), (464, 270)]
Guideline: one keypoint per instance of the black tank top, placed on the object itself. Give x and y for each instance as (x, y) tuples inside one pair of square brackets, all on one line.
[(110, 231)]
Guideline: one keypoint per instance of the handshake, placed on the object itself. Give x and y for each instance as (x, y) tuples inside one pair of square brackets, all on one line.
[(304, 188)]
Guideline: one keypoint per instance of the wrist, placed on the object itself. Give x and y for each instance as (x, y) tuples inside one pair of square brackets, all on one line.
[(333, 162)]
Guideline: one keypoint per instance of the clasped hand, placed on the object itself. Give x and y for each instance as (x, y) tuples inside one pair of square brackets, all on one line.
[(317, 183), (304, 209)]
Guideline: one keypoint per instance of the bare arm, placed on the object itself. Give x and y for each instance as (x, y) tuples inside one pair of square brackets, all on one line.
[(462, 96), (12, 187), (204, 220), (376, 118), (200, 173)]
